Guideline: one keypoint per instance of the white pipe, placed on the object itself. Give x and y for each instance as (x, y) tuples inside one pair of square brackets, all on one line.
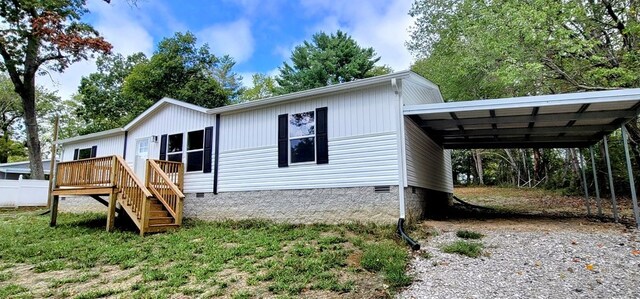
[(401, 150)]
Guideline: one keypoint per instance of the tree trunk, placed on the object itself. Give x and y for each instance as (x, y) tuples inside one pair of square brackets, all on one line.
[(477, 157), (28, 96)]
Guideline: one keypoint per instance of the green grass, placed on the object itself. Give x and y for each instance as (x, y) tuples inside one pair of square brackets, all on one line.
[(273, 259), (470, 249), (56, 283), (14, 291), (467, 234), (387, 258)]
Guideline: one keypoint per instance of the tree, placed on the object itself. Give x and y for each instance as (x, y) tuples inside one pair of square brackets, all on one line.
[(10, 113), (104, 106), (326, 60), (37, 36), (476, 49), (180, 70), (264, 86)]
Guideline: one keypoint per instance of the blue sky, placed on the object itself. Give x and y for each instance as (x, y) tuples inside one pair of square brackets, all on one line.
[(258, 34)]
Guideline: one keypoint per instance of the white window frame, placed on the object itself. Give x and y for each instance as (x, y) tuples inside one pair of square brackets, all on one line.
[(182, 149), (315, 154), (187, 151), (82, 149)]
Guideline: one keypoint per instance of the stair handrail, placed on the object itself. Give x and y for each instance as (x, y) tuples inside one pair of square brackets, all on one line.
[(133, 176), (164, 189)]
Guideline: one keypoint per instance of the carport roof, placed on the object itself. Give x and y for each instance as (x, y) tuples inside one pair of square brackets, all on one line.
[(550, 121)]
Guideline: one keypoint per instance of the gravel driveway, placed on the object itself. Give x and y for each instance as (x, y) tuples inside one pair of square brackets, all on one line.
[(529, 259)]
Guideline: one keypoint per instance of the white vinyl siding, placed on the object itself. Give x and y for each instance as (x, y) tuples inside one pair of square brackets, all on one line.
[(367, 160), (428, 165), (172, 119), (419, 91), (107, 146), (362, 142)]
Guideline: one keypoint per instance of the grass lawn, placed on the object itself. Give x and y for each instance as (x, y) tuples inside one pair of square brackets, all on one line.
[(239, 259)]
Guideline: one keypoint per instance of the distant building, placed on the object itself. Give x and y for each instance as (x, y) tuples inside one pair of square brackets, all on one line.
[(12, 171)]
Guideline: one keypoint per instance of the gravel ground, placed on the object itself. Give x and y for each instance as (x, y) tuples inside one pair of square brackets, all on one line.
[(535, 261)]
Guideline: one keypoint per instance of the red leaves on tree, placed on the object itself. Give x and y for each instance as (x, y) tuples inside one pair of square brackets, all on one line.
[(71, 41)]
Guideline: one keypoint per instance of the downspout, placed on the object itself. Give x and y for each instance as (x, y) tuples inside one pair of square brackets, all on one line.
[(401, 168)]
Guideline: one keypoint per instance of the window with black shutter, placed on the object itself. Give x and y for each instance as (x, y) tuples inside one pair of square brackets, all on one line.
[(302, 138)]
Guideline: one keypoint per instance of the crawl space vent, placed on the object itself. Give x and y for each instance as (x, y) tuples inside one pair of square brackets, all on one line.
[(199, 195), (382, 189)]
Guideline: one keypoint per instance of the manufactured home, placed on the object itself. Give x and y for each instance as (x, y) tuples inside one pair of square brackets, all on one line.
[(371, 150), (333, 154)]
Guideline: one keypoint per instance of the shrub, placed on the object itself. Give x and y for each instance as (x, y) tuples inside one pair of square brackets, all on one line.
[(470, 249), (467, 234)]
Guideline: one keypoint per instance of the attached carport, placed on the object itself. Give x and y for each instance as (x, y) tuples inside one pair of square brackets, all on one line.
[(572, 120)]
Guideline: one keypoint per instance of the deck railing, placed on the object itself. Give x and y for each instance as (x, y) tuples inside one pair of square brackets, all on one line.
[(164, 180), (93, 172), (135, 195)]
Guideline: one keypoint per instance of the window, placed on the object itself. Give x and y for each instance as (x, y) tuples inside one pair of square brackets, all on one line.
[(84, 153), (302, 135), (195, 150), (174, 148)]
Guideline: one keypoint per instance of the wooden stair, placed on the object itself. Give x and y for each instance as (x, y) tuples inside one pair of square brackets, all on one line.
[(154, 206)]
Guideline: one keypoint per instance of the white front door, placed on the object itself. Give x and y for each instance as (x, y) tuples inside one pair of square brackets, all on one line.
[(142, 154)]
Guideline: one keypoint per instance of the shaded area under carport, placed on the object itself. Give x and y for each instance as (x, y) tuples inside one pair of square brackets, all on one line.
[(571, 120)]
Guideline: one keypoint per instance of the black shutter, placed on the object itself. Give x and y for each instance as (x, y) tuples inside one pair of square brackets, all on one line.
[(75, 153), (322, 142), (94, 151), (208, 144), (163, 147), (283, 140)]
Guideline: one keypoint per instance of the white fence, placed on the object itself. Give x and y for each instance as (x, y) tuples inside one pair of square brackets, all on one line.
[(23, 193)]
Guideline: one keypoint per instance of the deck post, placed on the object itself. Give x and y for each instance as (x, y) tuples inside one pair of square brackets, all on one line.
[(614, 202), (632, 185), (595, 182), (584, 183), (54, 211), (111, 214)]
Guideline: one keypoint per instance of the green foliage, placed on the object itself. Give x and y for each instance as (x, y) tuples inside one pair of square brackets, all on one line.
[(470, 249), (178, 69), (326, 60), (264, 86), (477, 49), (467, 234), (123, 87), (104, 106)]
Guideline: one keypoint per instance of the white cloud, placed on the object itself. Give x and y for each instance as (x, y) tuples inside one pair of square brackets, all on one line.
[(382, 25), (247, 80), (235, 39)]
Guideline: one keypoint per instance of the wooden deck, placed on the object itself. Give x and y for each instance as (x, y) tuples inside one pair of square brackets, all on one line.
[(154, 206)]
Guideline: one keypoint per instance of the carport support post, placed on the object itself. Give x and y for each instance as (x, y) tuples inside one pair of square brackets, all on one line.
[(584, 183), (614, 202), (595, 182), (632, 184)]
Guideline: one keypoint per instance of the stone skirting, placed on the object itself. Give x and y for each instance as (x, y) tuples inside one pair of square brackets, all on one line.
[(331, 205), (424, 203)]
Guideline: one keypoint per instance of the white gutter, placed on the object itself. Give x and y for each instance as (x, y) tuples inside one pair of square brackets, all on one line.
[(92, 136)]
